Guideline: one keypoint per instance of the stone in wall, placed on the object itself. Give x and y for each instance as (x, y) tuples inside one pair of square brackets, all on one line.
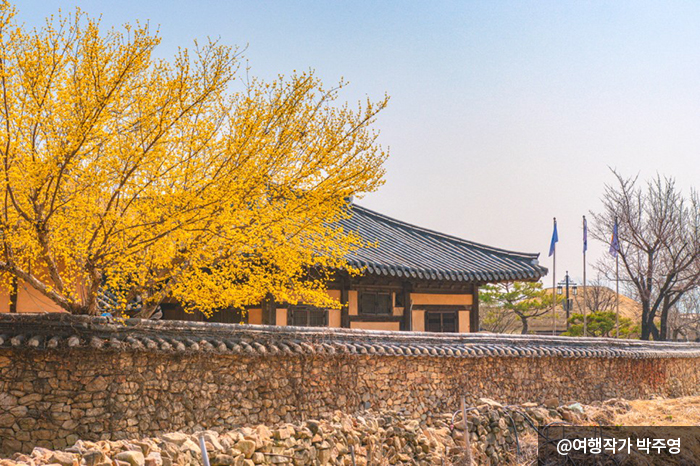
[(368, 438)]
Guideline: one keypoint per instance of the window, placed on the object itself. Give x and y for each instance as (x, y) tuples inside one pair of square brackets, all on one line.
[(399, 300), (441, 321), (375, 303), (174, 311), (307, 316), (228, 316)]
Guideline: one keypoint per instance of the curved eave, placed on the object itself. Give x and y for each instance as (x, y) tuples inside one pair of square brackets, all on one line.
[(533, 273)]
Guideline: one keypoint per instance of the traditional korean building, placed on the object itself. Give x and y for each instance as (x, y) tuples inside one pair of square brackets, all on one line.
[(414, 279)]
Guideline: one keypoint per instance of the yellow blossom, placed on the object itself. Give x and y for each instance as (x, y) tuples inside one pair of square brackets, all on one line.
[(157, 178)]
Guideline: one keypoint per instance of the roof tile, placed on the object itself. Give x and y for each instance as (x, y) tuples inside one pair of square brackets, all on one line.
[(407, 250)]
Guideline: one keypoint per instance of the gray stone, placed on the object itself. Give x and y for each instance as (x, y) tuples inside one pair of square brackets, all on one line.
[(177, 438), (153, 459), (6, 420), (64, 459), (93, 457), (223, 460), (7, 401), (283, 433), (576, 407), (490, 402), (551, 403), (134, 458), (247, 447), (39, 451), (189, 446), (29, 399), (97, 384)]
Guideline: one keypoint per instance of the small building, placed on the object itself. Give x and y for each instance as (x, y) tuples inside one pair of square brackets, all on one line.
[(414, 279)]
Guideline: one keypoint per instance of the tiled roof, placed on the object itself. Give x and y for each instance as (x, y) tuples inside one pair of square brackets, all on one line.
[(56, 331), (405, 250)]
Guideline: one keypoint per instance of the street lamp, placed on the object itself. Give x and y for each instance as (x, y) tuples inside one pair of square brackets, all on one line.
[(567, 284)]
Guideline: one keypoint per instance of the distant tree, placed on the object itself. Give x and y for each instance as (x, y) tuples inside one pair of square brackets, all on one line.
[(601, 324), (157, 178), (684, 317), (597, 296), (526, 300), (659, 235), (497, 319)]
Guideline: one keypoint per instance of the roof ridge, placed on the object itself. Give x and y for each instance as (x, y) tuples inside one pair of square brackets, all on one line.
[(60, 332), (444, 235)]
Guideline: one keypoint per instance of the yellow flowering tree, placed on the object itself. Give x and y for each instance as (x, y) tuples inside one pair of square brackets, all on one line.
[(173, 178)]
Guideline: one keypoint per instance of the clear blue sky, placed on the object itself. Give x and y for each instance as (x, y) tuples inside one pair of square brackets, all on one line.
[(502, 114)]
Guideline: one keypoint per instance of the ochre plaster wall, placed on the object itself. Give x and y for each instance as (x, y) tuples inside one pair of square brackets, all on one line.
[(28, 300), (255, 316), (418, 321), (437, 299), (281, 316), (334, 318), (463, 321), (376, 325)]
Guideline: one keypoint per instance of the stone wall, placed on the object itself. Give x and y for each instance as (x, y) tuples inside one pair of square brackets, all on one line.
[(64, 378)]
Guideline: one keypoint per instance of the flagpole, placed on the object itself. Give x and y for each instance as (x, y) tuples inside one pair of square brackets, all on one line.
[(615, 251), (585, 246), (617, 297), (554, 286)]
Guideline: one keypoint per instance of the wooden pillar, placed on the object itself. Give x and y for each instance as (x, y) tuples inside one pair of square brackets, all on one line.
[(474, 313), (407, 322), (269, 311), (345, 303)]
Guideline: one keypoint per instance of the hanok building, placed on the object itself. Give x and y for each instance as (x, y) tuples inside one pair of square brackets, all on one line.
[(414, 279)]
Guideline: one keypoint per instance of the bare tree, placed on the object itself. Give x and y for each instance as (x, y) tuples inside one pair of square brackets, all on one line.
[(497, 319), (597, 297), (659, 238), (684, 317)]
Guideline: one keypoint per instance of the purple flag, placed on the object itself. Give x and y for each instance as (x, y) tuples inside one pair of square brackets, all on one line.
[(614, 242), (555, 238)]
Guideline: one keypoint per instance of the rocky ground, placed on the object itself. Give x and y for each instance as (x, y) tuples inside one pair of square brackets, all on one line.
[(498, 435)]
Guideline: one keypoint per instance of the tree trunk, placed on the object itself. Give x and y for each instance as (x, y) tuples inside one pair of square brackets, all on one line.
[(523, 319), (663, 333), (646, 331), (675, 333), (649, 330)]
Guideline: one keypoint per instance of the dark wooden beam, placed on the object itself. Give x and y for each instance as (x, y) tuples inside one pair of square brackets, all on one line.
[(418, 285), (407, 322), (269, 311), (345, 303), (474, 313), (373, 318), (462, 288), (444, 307)]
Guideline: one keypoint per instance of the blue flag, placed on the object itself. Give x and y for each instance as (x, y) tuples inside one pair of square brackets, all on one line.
[(614, 242), (555, 238), (585, 234)]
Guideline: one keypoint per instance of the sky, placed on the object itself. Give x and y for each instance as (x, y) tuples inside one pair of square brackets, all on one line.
[(502, 115)]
